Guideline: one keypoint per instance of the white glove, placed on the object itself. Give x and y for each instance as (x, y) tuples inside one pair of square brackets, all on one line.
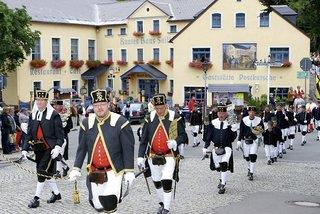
[(55, 152), (204, 151), (305, 121), (24, 154), (234, 127), (172, 144), (239, 145), (141, 163), (129, 177), (295, 119), (286, 118), (74, 174)]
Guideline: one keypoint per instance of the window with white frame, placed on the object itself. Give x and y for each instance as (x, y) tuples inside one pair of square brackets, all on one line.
[(109, 55), (201, 53), (281, 92), (123, 31), (109, 32), (264, 19), (156, 25), (173, 28), (156, 54), (140, 55), (279, 54), (91, 49), (216, 20), (55, 48), (124, 55), (110, 82), (36, 50), (36, 86), (56, 86), (75, 85), (240, 20), (140, 26), (74, 49)]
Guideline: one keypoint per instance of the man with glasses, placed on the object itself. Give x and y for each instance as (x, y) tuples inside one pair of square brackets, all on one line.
[(108, 140)]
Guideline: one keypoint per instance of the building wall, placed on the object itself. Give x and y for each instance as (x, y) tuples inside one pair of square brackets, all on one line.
[(23, 82), (200, 34)]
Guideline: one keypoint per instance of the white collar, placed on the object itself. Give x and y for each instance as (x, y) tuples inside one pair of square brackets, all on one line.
[(256, 120), (35, 109), (216, 123)]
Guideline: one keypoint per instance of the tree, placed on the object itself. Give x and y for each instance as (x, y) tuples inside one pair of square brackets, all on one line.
[(308, 17), (16, 37)]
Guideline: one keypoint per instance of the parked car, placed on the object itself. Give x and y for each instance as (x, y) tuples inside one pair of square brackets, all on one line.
[(138, 112)]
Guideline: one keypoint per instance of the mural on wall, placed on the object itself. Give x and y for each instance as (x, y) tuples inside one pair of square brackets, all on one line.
[(239, 56)]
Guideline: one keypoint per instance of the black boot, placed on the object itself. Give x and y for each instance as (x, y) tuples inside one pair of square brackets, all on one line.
[(280, 155), (272, 160), (248, 174), (275, 159), (65, 171), (34, 203), (54, 198), (57, 174), (269, 162), (222, 189), (284, 151), (251, 177), (160, 209), (165, 211)]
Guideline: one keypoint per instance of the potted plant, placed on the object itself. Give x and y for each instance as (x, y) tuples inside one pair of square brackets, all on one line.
[(197, 64), (37, 63), (76, 64), (154, 62), (122, 63), (108, 62), (58, 63), (286, 64), (138, 33), (154, 33), (169, 62), (93, 63), (137, 62)]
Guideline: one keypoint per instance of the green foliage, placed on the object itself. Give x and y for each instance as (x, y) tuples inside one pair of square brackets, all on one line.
[(16, 37), (258, 102), (308, 17)]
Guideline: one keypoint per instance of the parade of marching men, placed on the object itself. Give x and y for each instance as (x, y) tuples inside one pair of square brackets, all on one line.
[(160, 106)]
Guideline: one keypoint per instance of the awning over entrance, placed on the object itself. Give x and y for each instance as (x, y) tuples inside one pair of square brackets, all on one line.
[(228, 88), (91, 73), (145, 69)]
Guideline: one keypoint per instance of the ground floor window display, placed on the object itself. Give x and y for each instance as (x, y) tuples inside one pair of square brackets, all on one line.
[(197, 92), (148, 87)]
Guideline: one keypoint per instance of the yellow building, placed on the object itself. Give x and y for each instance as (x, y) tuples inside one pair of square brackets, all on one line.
[(155, 46)]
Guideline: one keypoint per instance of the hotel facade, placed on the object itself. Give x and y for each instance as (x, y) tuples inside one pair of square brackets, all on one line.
[(145, 47)]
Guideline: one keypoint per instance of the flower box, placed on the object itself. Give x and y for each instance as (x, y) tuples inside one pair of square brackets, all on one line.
[(286, 64), (76, 64), (154, 62), (37, 63), (93, 63), (170, 62), (155, 33), (138, 34), (58, 63), (108, 62), (122, 63), (198, 64), (138, 62)]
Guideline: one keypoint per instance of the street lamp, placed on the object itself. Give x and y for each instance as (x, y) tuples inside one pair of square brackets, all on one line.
[(268, 64), (205, 66)]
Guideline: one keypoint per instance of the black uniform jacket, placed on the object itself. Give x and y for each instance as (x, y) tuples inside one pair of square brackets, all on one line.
[(52, 129), (116, 134), (246, 125), (221, 136), (150, 126)]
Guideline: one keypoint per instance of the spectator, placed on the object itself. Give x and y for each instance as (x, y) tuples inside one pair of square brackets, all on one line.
[(291, 96), (126, 111), (6, 129), (24, 120)]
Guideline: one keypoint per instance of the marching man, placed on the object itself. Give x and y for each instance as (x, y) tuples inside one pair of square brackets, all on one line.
[(162, 134), (292, 125), (303, 119), (195, 123), (107, 139), (45, 133), (316, 116), (222, 134), (250, 127)]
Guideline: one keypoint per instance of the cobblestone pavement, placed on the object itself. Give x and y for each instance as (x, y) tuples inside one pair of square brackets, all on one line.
[(196, 191)]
